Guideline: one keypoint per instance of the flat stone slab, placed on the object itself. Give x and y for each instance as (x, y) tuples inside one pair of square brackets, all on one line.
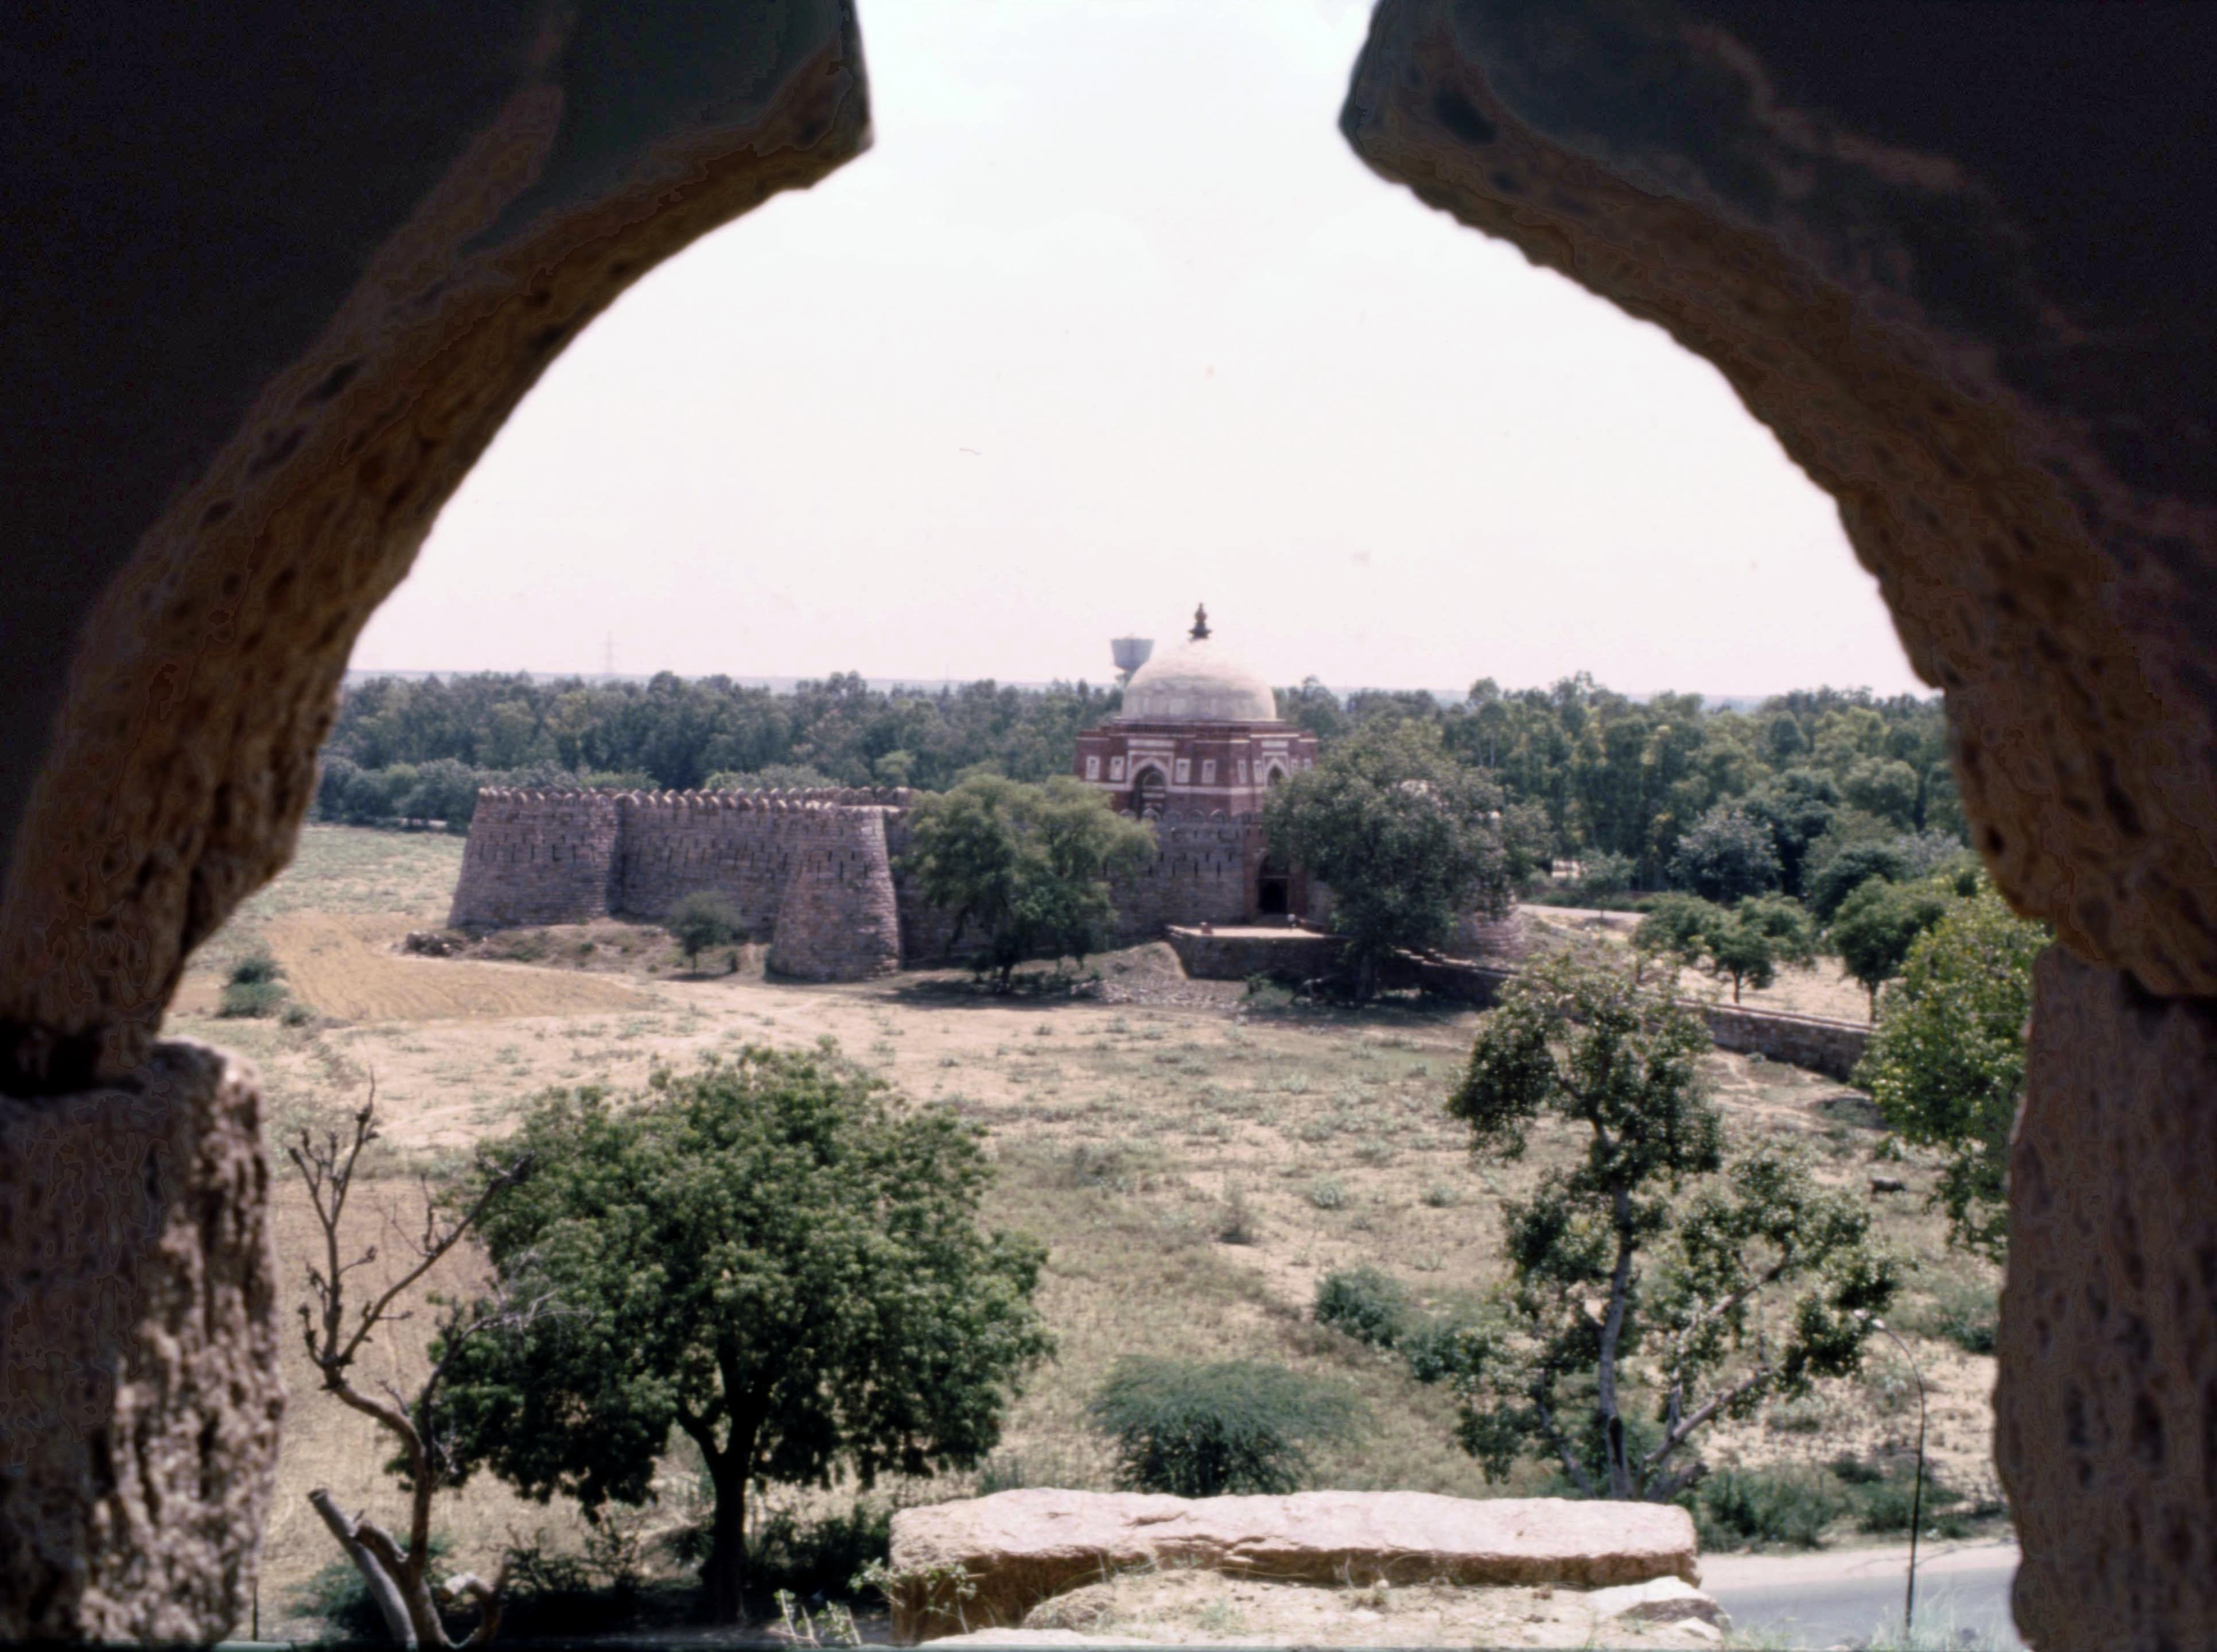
[(984, 1563)]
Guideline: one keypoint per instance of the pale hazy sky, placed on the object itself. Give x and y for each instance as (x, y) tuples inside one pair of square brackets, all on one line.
[(1110, 321)]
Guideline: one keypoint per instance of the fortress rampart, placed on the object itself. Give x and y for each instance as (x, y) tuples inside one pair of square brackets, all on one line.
[(815, 873)]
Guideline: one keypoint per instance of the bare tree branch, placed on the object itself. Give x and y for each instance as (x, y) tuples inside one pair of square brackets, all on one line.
[(397, 1574)]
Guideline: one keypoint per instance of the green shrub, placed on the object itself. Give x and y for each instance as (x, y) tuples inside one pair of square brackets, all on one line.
[(700, 921), (245, 998), (255, 968), (1327, 1194), (1369, 1306), (297, 1015), (1789, 1505), (1433, 1350), (1238, 1225), (1962, 1312), (819, 1557), (1215, 1430), (1883, 1505), (1855, 1470)]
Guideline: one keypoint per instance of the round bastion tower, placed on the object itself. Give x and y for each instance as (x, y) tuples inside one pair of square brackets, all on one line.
[(1199, 740)]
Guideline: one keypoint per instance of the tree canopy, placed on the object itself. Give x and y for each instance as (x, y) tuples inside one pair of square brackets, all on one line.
[(768, 1254), (1946, 1062), (1023, 868), (1728, 854), (1874, 928), (1651, 1262), (1407, 839), (1583, 771)]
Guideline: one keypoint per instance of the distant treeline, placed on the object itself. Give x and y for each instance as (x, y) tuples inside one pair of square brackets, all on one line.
[(1592, 775)]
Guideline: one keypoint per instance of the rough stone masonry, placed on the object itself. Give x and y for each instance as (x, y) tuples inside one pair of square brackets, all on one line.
[(815, 873)]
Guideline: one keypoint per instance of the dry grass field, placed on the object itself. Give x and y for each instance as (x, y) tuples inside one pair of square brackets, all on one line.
[(1194, 1167)]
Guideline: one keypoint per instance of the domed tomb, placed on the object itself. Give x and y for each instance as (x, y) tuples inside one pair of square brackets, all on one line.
[(1197, 749), (1198, 682)]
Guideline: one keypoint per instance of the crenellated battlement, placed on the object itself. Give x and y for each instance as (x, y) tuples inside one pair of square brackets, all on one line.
[(884, 796), (829, 856)]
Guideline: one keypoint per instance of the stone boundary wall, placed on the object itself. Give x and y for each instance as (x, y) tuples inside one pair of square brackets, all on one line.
[(1822, 1046), (1203, 868), (837, 919), (1815, 1042), (1286, 955), (537, 857)]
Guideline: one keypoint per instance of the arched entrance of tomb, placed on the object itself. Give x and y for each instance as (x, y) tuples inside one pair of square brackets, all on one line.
[(1150, 789), (1274, 890), (1990, 387)]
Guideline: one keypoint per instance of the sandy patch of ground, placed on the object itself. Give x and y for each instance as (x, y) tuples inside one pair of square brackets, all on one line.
[(344, 966)]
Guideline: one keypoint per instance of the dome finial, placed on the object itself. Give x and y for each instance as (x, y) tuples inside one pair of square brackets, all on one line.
[(1200, 632)]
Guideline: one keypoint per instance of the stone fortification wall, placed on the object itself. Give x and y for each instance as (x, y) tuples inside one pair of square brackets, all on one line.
[(538, 857), (566, 857), (736, 844), (1202, 873), (838, 919), (550, 857), (927, 932)]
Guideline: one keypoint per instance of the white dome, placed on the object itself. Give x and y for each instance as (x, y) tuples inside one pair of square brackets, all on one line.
[(1197, 682)]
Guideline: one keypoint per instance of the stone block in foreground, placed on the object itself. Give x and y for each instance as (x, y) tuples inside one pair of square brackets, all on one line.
[(139, 1399), (1015, 1549)]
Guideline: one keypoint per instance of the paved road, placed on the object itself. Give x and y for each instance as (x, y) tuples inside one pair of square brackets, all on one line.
[(1849, 1597)]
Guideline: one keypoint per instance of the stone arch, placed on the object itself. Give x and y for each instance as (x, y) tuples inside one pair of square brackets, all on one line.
[(1151, 784), (2012, 408), (240, 406), (1960, 330)]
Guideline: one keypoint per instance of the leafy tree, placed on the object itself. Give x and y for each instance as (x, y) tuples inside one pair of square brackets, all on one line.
[(1728, 854), (1217, 1430), (1676, 926), (1605, 874), (1849, 869), (1024, 868), (1406, 837), (444, 789), (772, 777), (1756, 1283), (767, 1254), (701, 920), (1747, 944), (1797, 807), (1885, 786), (1946, 1062), (1875, 926)]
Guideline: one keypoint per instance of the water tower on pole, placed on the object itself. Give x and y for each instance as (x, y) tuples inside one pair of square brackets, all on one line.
[(1131, 653)]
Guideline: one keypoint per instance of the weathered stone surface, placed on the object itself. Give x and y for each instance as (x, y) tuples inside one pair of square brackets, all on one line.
[(1985, 367), (1658, 1601), (1239, 953), (350, 302), (138, 1390), (1017, 1548), (2106, 1431), (838, 920)]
